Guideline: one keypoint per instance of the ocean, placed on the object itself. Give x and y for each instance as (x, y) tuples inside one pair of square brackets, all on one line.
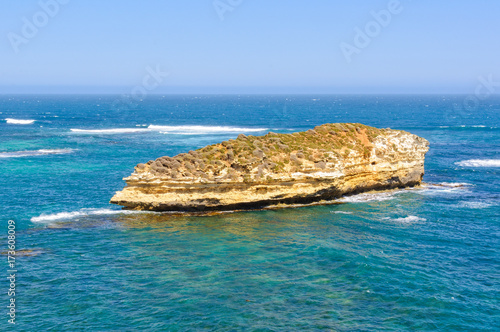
[(423, 258)]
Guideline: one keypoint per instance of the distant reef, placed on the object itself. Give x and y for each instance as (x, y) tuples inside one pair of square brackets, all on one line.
[(254, 172)]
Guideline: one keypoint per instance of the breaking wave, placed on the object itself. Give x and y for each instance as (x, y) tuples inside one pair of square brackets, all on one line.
[(444, 188), (109, 131), (178, 130), (18, 121), (33, 153), (368, 197), (47, 218), (425, 188), (479, 163), (475, 205), (454, 184), (466, 127), (199, 130), (408, 219)]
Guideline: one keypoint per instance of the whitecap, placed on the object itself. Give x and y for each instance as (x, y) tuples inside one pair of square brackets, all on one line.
[(199, 130), (475, 205), (466, 126), (47, 218), (34, 153), (178, 130), (444, 188), (479, 163), (368, 197), (341, 212), (454, 184), (109, 131), (409, 219), (473, 126), (18, 121)]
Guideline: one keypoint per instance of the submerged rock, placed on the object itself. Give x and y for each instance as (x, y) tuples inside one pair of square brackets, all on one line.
[(24, 252), (300, 168)]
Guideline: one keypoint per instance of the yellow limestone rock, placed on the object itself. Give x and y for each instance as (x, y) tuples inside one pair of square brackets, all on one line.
[(253, 172)]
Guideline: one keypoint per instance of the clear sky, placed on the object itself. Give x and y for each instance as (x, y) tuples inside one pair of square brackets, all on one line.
[(260, 46)]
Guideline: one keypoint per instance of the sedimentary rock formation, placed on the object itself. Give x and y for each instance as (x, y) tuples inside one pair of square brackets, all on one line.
[(252, 172)]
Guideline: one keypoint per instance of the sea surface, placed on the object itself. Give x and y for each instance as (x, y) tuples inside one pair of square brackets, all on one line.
[(417, 259)]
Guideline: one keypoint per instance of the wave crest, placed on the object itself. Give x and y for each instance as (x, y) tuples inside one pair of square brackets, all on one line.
[(34, 153), (475, 205), (199, 130), (368, 197), (410, 219), (177, 130), (479, 163), (19, 121), (109, 131), (47, 218)]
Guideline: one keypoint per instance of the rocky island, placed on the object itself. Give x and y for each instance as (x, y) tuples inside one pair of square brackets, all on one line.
[(254, 172)]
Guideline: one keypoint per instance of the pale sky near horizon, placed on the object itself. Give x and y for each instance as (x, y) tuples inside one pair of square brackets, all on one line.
[(260, 46)]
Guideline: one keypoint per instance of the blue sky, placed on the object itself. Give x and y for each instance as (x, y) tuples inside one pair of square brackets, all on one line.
[(260, 46)]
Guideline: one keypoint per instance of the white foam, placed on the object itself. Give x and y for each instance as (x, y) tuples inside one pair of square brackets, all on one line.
[(199, 130), (475, 205), (479, 163), (444, 188), (47, 218), (368, 197), (18, 121), (341, 212), (454, 184), (179, 130), (464, 126), (410, 219), (109, 131), (33, 153)]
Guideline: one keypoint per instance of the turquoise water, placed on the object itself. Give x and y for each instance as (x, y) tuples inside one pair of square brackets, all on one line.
[(419, 259)]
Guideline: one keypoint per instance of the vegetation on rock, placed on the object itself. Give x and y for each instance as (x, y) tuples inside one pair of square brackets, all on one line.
[(259, 158)]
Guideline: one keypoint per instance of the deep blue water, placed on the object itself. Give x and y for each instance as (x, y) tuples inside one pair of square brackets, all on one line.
[(421, 259)]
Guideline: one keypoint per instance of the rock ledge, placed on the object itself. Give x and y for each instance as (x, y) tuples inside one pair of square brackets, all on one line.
[(253, 172)]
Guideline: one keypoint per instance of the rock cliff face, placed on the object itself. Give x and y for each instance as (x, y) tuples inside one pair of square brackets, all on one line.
[(252, 172)]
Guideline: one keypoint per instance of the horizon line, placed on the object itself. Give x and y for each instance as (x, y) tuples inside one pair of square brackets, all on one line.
[(240, 93)]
